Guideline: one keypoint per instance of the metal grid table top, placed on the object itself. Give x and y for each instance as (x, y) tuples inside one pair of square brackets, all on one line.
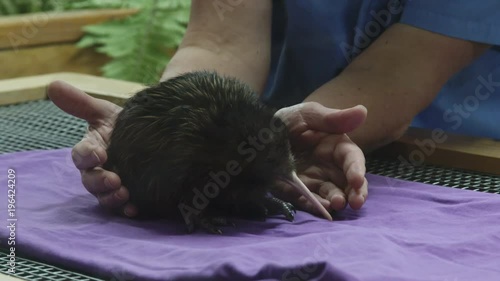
[(37, 125), (40, 124), (36, 271)]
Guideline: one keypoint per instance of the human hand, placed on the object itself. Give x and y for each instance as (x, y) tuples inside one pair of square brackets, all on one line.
[(329, 163), (333, 167), (90, 153)]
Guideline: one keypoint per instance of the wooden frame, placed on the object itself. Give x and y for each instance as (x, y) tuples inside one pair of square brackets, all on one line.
[(417, 146), (40, 43), (31, 88)]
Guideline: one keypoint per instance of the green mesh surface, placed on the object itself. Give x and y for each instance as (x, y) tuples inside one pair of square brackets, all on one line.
[(35, 271), (37, 125), (41, 125), (435, 175), (33, 126)]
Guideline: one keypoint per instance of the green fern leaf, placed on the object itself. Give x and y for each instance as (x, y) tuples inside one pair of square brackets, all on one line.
[(139, 45)]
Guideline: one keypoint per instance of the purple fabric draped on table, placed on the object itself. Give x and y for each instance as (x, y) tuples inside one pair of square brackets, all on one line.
[(406, 231)]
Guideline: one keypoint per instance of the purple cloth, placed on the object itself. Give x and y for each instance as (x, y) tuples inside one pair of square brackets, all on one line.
[(406, 231)]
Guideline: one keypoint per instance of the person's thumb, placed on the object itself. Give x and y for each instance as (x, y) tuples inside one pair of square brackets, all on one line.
[(346, 120), (314, 116), (79, 104)]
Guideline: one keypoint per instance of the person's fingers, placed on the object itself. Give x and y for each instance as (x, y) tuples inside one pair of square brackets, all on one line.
[(345, 154), (130, 210), (351, 159), (322, 173), (307, 140), (306, 205), (106, 186), (329, 195), (99, 135), (314, 116), (300, 117), (79, 104), (113, 199), (98, 181), (357, 198), (288, 193), (316, 178), (347, 120), (333, 194), (311, 180), (87, 154), (313, 137)]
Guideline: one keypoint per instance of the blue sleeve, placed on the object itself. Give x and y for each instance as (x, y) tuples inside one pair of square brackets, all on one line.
[(465, 19)]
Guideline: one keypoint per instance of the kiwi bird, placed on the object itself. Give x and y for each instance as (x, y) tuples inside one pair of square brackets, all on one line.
[(203, 148)]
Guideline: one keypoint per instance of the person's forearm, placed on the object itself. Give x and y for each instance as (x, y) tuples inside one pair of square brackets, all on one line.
[(395, 78), (223, 62), (236, 42), (388, 116)]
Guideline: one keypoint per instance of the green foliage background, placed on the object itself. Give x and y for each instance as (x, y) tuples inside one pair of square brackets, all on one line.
[(15, 7), (138, 45)]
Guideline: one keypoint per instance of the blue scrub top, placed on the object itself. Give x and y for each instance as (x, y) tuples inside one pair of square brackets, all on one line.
[(313, 41)]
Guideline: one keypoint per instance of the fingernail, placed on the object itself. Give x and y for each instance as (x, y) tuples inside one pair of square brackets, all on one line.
[(108, 183), (352, 193), (77, 158), (86, 150), (120, 194), (360, 106), (358, 169), (80, 155), (338, 202), (345, 204), (130, 211), (96, 157)]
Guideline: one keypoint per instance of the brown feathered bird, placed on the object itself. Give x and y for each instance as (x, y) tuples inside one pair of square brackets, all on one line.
[(202, 147)]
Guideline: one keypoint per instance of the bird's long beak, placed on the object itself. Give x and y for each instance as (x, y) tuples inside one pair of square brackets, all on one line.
[(294, 181)]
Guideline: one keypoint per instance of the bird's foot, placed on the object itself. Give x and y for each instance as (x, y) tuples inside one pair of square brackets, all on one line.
[(208, 223), (277, 206)]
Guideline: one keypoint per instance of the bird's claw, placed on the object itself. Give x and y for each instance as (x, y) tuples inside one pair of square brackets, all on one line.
[(209, 224), (277, 206)]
